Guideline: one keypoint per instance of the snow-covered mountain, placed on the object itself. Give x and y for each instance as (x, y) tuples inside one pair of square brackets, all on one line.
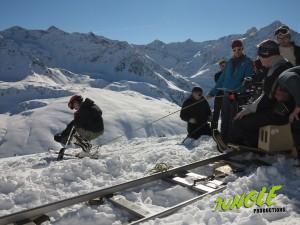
[(133, 84), (23, 52), (168, 67), (198, 60)]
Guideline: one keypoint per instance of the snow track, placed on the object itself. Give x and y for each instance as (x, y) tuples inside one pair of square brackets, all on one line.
[(48, 181)]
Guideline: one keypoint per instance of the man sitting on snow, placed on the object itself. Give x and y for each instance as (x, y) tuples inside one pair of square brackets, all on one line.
[(86, 126), (196, 111)]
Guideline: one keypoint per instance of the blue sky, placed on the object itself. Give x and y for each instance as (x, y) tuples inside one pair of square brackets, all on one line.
[(142, 21)]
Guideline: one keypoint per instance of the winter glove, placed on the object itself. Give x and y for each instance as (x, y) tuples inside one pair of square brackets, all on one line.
[(294, 115), (192, 121), (208, 97), (241, 114), (58, 137)]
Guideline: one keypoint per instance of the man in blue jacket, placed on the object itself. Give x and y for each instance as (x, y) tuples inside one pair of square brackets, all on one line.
[(231, 82)]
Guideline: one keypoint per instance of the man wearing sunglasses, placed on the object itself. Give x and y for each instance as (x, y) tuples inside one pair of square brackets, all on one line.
[(264, 110), (231, 82), (287, 48)]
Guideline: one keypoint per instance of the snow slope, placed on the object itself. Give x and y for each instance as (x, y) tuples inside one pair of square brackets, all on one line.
[(33, 180), (34, 109)]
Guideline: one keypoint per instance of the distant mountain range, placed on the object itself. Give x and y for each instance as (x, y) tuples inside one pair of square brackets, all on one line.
[(133, 84), (164, 70)]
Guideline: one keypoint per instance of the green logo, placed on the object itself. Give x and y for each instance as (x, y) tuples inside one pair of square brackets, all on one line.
[(247, 199)]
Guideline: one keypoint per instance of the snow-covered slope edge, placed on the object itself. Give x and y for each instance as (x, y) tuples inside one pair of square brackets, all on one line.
[(47, 181), (35, 109)]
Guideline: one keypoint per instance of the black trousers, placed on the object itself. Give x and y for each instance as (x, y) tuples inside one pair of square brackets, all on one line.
[(246, 130), (196, 130), (229, 110), (216, 113)]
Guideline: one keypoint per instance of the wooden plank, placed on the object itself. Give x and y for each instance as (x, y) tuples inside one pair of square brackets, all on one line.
[(175, 208), (129, 206), (188, 180), (204, 188)]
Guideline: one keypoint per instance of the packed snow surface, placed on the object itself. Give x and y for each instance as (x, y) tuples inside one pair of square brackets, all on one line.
[(33, 180)]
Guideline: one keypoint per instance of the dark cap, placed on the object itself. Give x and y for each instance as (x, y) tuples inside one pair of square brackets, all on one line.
[(197, 89), (236, 43), (267, 48)]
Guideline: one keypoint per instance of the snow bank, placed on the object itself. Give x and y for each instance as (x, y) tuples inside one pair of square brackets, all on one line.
[(45, 180)]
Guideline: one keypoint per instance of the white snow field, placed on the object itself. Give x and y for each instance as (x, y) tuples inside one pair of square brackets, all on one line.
[(32, 180), (133, 85)]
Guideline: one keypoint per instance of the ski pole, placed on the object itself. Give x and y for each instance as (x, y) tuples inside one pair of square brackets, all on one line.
[(62, 150), (194, 131)]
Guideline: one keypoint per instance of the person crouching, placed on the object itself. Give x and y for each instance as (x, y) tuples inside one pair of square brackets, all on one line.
[(86, 125), (196, 112)]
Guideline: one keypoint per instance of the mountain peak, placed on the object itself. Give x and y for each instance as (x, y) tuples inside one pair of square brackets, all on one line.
[(16, 29), (189, 41), (157, 43), (54, 29), (252, 31)]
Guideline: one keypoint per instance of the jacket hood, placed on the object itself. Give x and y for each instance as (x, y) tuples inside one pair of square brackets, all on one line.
[(88, 102)]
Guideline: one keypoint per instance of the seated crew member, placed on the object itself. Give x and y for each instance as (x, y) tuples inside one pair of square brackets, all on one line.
[(264, 110)]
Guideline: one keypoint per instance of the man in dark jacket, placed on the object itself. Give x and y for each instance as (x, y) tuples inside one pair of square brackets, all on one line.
[(218, 98), (196, 112), (86, 126), (287, 48), (287, 92), (264, 110)]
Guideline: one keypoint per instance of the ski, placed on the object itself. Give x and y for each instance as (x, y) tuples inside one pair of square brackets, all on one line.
[(221, 145), (92, 156)]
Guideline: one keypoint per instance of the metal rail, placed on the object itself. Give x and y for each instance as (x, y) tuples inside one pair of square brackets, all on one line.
[(44, 209)]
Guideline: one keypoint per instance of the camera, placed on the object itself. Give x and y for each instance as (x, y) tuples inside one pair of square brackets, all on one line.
[(253, 89)]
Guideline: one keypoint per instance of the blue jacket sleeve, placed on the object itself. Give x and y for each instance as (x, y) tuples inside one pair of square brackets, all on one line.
[(249, 72)]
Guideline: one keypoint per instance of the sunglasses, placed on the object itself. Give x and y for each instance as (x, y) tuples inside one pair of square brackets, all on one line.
[(282, 31), (197, 94), (237, 49)]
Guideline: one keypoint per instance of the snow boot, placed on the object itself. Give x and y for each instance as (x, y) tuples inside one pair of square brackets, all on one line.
[(83, 143), (221, 145)]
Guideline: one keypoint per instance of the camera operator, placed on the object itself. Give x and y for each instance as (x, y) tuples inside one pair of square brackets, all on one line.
[(263, 111)]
